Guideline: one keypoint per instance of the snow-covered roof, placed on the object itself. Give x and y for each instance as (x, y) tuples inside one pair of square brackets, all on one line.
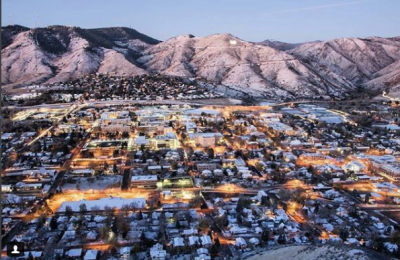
[(145, 177), (91, 255), (240, 242), (76, 252), (205, 240), (178, 241)]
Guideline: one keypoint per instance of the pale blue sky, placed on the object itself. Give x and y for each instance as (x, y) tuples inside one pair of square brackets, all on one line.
[(252, 20)]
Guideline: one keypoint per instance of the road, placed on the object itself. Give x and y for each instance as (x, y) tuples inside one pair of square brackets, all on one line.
[(389, 97), (218, 102), (379, 207), (55, 202)]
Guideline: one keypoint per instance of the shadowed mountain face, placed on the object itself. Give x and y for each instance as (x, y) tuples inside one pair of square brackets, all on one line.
[(8, 32), (283, 46), (269, 69)]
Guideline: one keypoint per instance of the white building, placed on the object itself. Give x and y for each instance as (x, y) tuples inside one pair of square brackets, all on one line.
[(205, 139), (144, 181), (168, 140)]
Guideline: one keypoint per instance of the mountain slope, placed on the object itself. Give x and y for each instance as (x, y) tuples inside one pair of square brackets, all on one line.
[(115, 63), (353, 58), (227, 60), (60, 53), (282, 46), (8, 32), (387, 79), (23, 62)]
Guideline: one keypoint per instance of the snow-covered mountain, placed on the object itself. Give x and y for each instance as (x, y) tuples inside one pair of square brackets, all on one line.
[(361, 61), (244, 66), (59, 53), (270, 69), (387, 79), (283, 46)]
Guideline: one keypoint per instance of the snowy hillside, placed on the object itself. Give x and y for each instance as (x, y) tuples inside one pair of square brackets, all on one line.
[(59, 53), (269, 69), (227, 60), (353, 58)]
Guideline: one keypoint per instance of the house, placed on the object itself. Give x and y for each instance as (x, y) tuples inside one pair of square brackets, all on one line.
[(280, 128), (203, 253), (69, 235), (240, 242), (203, 257), (154, 168), (178, 242), (157, 252), (194, 240), (206, 240), (379, 226), (352, 241), (238, 230), (92, 235), (75, 253), (254, 241), (125, 252), (355, 166), (188, 232), (91, 255)]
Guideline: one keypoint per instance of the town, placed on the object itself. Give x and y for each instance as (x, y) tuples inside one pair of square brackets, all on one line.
[(105, 87), (112, 177)]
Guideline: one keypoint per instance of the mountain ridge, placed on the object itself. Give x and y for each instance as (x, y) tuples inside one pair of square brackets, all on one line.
[(268, 69)]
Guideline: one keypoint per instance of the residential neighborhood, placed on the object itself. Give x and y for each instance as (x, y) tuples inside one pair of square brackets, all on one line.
[(105, 180)]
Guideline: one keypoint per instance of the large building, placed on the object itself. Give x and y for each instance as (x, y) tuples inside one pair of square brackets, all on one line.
[(278, 127), (115, 122), (116, 128), (206, 166), (386, 165), (144, 181), (167, 141), (311, 159), (205, 139)]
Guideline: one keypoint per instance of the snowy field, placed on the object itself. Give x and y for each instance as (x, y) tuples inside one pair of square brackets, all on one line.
[(102, 203), (98, 184)]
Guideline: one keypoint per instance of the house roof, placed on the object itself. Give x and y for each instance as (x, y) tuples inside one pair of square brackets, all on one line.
[(91, 255), (76, 252)]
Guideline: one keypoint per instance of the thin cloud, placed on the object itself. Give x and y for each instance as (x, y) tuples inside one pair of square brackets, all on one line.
[(316, 7)]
